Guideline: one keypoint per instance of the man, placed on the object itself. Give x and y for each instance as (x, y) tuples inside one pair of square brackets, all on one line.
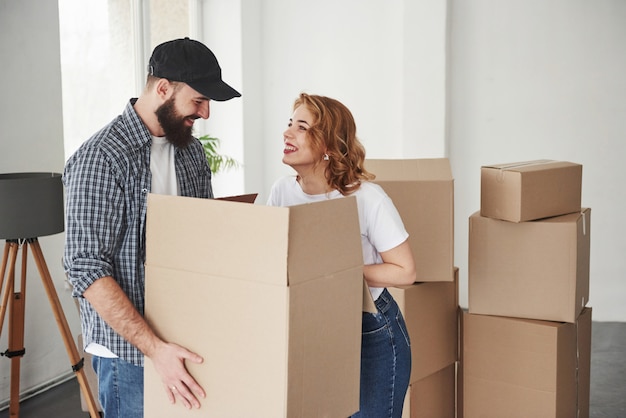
[(149, 148)]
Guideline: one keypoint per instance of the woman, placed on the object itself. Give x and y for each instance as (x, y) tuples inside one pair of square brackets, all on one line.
[(322, 147)]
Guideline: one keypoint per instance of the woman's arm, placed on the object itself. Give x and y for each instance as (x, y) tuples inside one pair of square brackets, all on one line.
[(398, 268)]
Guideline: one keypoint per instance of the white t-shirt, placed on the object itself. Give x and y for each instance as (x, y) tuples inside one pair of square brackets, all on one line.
[(164, 181), (162, 167), (381, 227)]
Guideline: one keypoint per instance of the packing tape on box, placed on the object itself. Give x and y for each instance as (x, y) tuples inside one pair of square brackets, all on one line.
[(523, 164), (504, 167)]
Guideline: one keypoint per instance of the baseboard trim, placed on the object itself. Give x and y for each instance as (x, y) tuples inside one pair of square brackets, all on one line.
[(36, 390)]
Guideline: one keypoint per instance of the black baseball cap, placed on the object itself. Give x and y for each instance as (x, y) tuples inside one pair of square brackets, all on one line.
[(193, 63)]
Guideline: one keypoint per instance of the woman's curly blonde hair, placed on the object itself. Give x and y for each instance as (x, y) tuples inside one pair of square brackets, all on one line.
[(333, 132)]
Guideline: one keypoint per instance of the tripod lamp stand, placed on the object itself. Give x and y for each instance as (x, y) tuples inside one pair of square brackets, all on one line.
[(31, 206)]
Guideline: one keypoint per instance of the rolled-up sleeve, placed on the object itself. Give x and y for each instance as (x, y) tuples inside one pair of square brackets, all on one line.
[(94, 218)]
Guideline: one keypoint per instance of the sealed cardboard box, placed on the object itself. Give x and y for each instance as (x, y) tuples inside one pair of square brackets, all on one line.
[(270, 297), (423, 192), (432, 396), (537, 269), (530, 190), (526, 368), (430, 313)]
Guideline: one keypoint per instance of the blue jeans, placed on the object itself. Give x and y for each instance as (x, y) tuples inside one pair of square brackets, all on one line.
[(385, 361), (120, 387)]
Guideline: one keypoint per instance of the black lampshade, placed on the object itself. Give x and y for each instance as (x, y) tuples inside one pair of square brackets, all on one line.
[(31, 205)]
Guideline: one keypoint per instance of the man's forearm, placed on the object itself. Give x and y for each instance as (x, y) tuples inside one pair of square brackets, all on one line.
[(112, 304)]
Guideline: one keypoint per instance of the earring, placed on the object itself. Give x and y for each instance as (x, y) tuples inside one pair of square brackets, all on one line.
[(325, 157)]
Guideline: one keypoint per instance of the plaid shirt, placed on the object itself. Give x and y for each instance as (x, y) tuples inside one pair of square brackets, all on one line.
[(107, 182)]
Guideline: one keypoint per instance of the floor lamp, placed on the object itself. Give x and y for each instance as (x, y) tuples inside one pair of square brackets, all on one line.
[(31, 206)]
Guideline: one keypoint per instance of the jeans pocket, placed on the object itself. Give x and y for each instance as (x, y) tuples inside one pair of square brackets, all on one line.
[(403, 328), (373, 323)]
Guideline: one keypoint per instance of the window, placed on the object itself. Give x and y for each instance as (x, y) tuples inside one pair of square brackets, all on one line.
[(105, 46)]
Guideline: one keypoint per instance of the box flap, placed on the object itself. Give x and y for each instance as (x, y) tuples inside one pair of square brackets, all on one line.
[(324, 237), (412, 169), (313, 239), (244, 198), (206, 229)]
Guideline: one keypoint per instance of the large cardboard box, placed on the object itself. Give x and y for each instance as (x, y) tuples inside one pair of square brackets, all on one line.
[(530, 190), (433, 396), (423, 192), (518, 368), (537, 269), (430, 313), (271, 297)]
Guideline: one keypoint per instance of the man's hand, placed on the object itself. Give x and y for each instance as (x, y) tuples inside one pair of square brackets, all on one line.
[(115, 308), (169, 361)]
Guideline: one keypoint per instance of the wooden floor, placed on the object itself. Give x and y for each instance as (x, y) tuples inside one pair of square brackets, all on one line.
[(608, 382)]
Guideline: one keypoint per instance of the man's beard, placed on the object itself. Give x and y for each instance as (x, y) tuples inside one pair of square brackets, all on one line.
[(176, 131)]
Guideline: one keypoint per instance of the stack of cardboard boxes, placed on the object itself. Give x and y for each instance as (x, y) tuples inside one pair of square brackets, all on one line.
[(271, 297), (524, 344), (526, 340), (423, 192)]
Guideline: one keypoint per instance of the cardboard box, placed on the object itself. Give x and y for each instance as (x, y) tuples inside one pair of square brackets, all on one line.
[(430, 313), (271, 297), (423, 192), (433, 396), (530, 190), (537, 269), (526, 368)]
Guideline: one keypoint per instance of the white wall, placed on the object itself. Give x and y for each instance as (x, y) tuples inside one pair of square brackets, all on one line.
[(222, 32), (376, 57), (31, 139), (537, 79), (386, 61)]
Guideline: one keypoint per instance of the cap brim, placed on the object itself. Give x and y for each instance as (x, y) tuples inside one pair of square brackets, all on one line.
[(218, 91)]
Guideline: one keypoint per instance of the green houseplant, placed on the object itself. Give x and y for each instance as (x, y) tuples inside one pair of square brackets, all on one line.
[(217, 161)]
